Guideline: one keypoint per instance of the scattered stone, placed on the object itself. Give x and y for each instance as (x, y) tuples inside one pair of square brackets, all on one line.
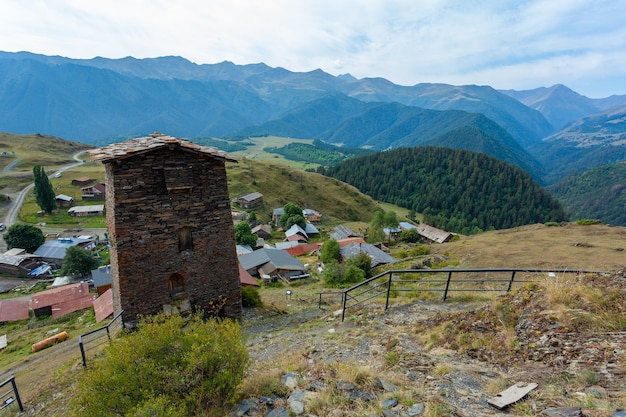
[(389, 403), (563, 412), (386, 385), (416, 410), (290, 380), (278, 412)]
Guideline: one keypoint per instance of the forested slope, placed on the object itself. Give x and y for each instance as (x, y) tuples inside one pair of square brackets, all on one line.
[(456, 190), (599, 193)]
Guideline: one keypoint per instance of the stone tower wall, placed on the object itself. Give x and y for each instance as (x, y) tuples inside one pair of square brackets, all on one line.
[(172, 237)]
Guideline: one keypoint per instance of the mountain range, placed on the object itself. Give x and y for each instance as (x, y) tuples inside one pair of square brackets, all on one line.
[(549, 132)]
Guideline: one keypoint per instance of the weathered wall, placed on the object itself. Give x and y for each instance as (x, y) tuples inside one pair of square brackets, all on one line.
[(151, 200)]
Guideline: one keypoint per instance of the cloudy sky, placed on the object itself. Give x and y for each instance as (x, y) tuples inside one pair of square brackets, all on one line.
[(508, 44)]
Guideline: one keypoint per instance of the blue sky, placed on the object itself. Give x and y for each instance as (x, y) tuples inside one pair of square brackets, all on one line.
[(513, 44)]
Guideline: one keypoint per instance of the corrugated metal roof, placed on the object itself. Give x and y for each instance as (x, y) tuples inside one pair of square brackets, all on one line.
[(251, 196), (245, 278), (12, 310), (64, 300), (87, 209), (279, 258), (55, 249), (342, 232), (103, 305), (434, 234), (153, 142)]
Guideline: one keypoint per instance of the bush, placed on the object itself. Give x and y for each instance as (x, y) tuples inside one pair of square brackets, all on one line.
[(250, 297), (337, 275), (420, 250), (169, 366), (587, 222)]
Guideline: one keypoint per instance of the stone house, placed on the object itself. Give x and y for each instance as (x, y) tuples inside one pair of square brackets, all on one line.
[(250, 200), (94, 192), (64, 200), (170, 227)]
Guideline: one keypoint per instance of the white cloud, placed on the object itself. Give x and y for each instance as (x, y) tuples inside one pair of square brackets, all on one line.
[(507, 44)]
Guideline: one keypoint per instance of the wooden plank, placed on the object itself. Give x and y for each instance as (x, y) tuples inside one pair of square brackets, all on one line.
[(3, 341), (512, 394)]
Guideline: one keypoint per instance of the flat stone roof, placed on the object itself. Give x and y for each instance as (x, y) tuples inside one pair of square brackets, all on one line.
[(149, 143)]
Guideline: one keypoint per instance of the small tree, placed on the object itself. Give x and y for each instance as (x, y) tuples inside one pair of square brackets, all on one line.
[(330, 251), (363, 262), (244, 235), (44, 193), (24, 236), (78, 261), (410, 236), (292, 214)]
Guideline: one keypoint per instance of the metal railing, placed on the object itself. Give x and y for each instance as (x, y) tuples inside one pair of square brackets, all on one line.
[(11, 396), (93, 339), (411, 280)]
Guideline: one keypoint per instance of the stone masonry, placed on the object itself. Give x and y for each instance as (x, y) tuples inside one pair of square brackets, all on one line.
[(171, 231)]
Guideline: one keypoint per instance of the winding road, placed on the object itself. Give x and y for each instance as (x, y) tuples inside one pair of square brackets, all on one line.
[(11, 216)]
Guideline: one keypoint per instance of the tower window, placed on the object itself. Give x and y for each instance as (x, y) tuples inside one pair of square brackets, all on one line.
[(185, 240)]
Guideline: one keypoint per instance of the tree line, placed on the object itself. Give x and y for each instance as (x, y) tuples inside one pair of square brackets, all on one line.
[(456, 190)]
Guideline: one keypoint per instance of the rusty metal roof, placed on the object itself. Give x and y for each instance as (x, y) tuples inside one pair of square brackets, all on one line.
[(155, 141), (11, 310)]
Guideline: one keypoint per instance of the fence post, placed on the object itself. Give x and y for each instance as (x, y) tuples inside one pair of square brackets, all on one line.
[(511, 281), (319, 304), (82, 350), (388, 291), (344, 297), (17, 394), (445, 292)]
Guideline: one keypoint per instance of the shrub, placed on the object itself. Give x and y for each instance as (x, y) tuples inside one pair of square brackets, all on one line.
[(337, 275), (250, 297), (420, 250), (169, 366), (587, 222)]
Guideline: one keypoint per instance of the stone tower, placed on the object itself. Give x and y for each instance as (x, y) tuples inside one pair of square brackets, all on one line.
[(170, 224)]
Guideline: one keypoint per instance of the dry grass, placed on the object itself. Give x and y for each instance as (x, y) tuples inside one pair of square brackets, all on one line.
[(539, 246)]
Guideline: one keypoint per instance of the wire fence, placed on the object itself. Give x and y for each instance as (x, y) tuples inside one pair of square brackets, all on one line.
[(91, 340), (444, 281)]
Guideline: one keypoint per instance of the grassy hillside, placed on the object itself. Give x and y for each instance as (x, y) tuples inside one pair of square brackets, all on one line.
[(280, 184), (19, 153)]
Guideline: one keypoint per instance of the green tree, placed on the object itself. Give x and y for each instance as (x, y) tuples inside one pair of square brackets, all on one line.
[(363, 262), (330, 251), (78, 261), (170, 366), (244, 235), (410, 236), (390, 219), (292, 214), (44, 193), (24, 236)]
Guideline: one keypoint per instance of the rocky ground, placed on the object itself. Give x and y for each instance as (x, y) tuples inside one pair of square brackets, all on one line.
[(411, 361)]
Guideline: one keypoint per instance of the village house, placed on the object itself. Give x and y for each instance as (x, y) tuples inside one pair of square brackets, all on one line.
[(18, 265), (263, 231), (170, 227), (250, 200), (272, 264), (432, 234), (377, 256), (80, 211), (64, 200), (60, 301), (312, 216), (53, 251), (94, 192), (82, 181)]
